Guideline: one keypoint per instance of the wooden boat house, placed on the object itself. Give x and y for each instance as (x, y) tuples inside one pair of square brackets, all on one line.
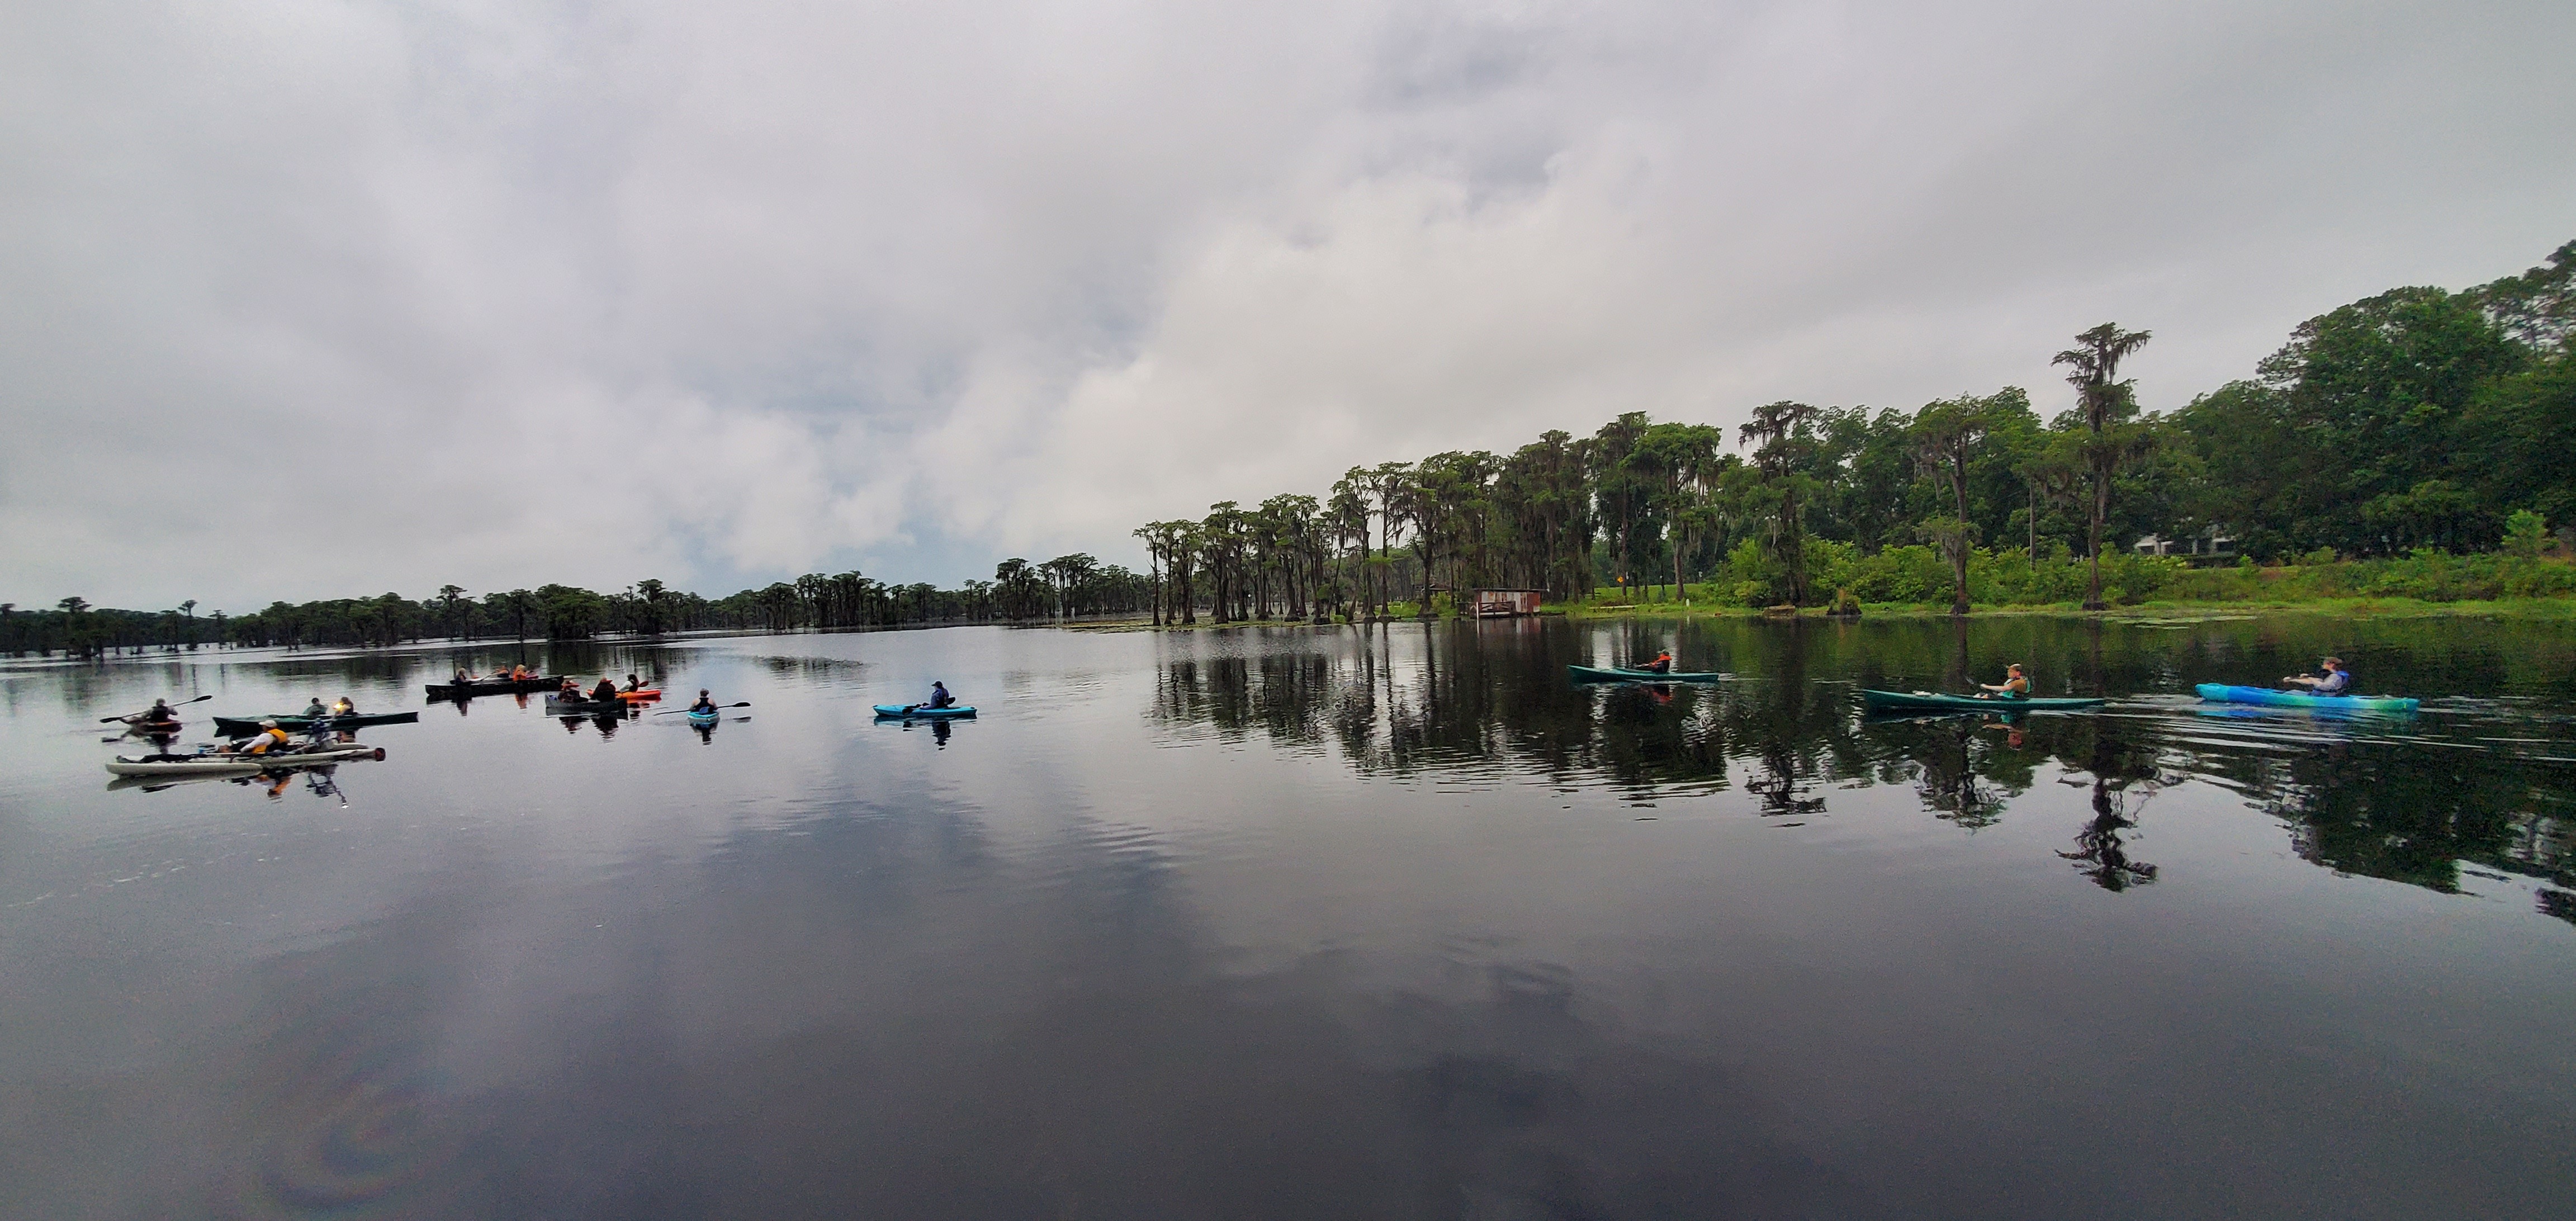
[(1506, 603)]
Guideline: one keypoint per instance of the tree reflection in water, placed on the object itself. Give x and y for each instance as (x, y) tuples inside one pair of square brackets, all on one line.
[(1399, 701)]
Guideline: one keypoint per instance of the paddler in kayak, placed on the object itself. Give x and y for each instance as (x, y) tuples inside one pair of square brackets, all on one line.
[(2016, 685), (939, 698), (315, 710), (344, 706), (269, 738), (1662, 664), (160, 713), (569, 692), (2334, 681), (465, 677), (521, 674), (632, 684), (704, 704), (605, 692)]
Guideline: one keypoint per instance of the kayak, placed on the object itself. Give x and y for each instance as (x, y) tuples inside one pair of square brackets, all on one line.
[(1929, 701), (153, 729), (704, 720), (237, 765), (1613, 674), (464, 691), (917, 713), (646, 695), (2220, 693), (556, 707), (238, 725)]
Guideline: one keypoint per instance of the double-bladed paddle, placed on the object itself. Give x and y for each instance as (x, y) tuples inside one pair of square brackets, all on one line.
[(147, 712)]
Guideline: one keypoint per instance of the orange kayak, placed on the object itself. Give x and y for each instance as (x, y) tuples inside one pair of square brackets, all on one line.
[(647, 694)]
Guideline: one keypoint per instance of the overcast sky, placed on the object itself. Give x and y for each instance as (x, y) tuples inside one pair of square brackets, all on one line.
[(325, 299)]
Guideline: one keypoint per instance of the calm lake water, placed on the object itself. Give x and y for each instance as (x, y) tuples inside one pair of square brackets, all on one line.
[(1314, 923)]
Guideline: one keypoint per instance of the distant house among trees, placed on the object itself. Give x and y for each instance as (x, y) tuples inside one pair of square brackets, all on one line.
[(1507, 603), (2209, 544)]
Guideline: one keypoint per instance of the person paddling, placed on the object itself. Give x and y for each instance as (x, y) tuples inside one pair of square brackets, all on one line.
[(464, 677), (633, 683), (160, 713), (939, 698), (2015, 686), (316, 710), (2334, 681), (344, 706), (269, 738), (1662, 664), (704, 704), (605, 692)]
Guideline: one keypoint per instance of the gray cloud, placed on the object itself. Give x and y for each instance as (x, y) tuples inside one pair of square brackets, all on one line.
[(505, 293)]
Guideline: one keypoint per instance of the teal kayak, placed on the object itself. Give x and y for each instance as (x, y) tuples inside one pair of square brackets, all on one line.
[(704, 720), (2220, 693), (1613, 674), (1934, 701), (916, 712)]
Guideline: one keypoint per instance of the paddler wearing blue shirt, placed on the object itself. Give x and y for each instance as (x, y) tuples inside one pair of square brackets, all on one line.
[(2335, 681), (939, 698)]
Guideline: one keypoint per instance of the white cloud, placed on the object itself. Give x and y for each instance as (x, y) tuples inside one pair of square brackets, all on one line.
[(503, 294)]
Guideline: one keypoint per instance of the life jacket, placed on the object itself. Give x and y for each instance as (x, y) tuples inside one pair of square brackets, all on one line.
[(268, 739)]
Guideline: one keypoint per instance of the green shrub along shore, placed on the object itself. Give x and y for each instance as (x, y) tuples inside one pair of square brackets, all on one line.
[(1917, 580)]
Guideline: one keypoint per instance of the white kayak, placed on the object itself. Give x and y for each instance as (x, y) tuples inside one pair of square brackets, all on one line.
[(211, 764)]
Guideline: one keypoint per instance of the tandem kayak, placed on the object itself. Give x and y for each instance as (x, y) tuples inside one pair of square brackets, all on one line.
[(467, 691), (1934, 701), (917, 713), (238, 765), (556, 707), (235, 726), (1613, 674), (2220, 693)]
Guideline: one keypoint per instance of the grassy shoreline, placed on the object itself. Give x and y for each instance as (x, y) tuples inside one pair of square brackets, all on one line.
[(2351, 608)]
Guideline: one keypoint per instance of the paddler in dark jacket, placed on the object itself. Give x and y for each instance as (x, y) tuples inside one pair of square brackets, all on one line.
[(316, 710), (1662, 664), (633, 683), (159, 714), (704, 704), (939, 697), (605, 692)]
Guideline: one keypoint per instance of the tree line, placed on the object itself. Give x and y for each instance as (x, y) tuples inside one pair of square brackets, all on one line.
[(1066, 587), (2415, 420), (2415, 423)]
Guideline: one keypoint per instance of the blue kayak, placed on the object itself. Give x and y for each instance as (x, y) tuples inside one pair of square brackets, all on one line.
[(2220, 693), (916, 712)]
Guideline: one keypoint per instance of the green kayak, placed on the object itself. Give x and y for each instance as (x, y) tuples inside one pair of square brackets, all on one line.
[(1934, 701), (238, 725), (1607, 674)]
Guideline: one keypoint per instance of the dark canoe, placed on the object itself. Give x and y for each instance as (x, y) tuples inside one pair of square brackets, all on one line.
[(467, 691), (894, 712), (556, 707), (242, 725), (1934, 701), (1612, 674)]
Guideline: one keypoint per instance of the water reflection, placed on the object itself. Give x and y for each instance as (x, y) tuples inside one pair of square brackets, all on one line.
[(2359, 793)]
